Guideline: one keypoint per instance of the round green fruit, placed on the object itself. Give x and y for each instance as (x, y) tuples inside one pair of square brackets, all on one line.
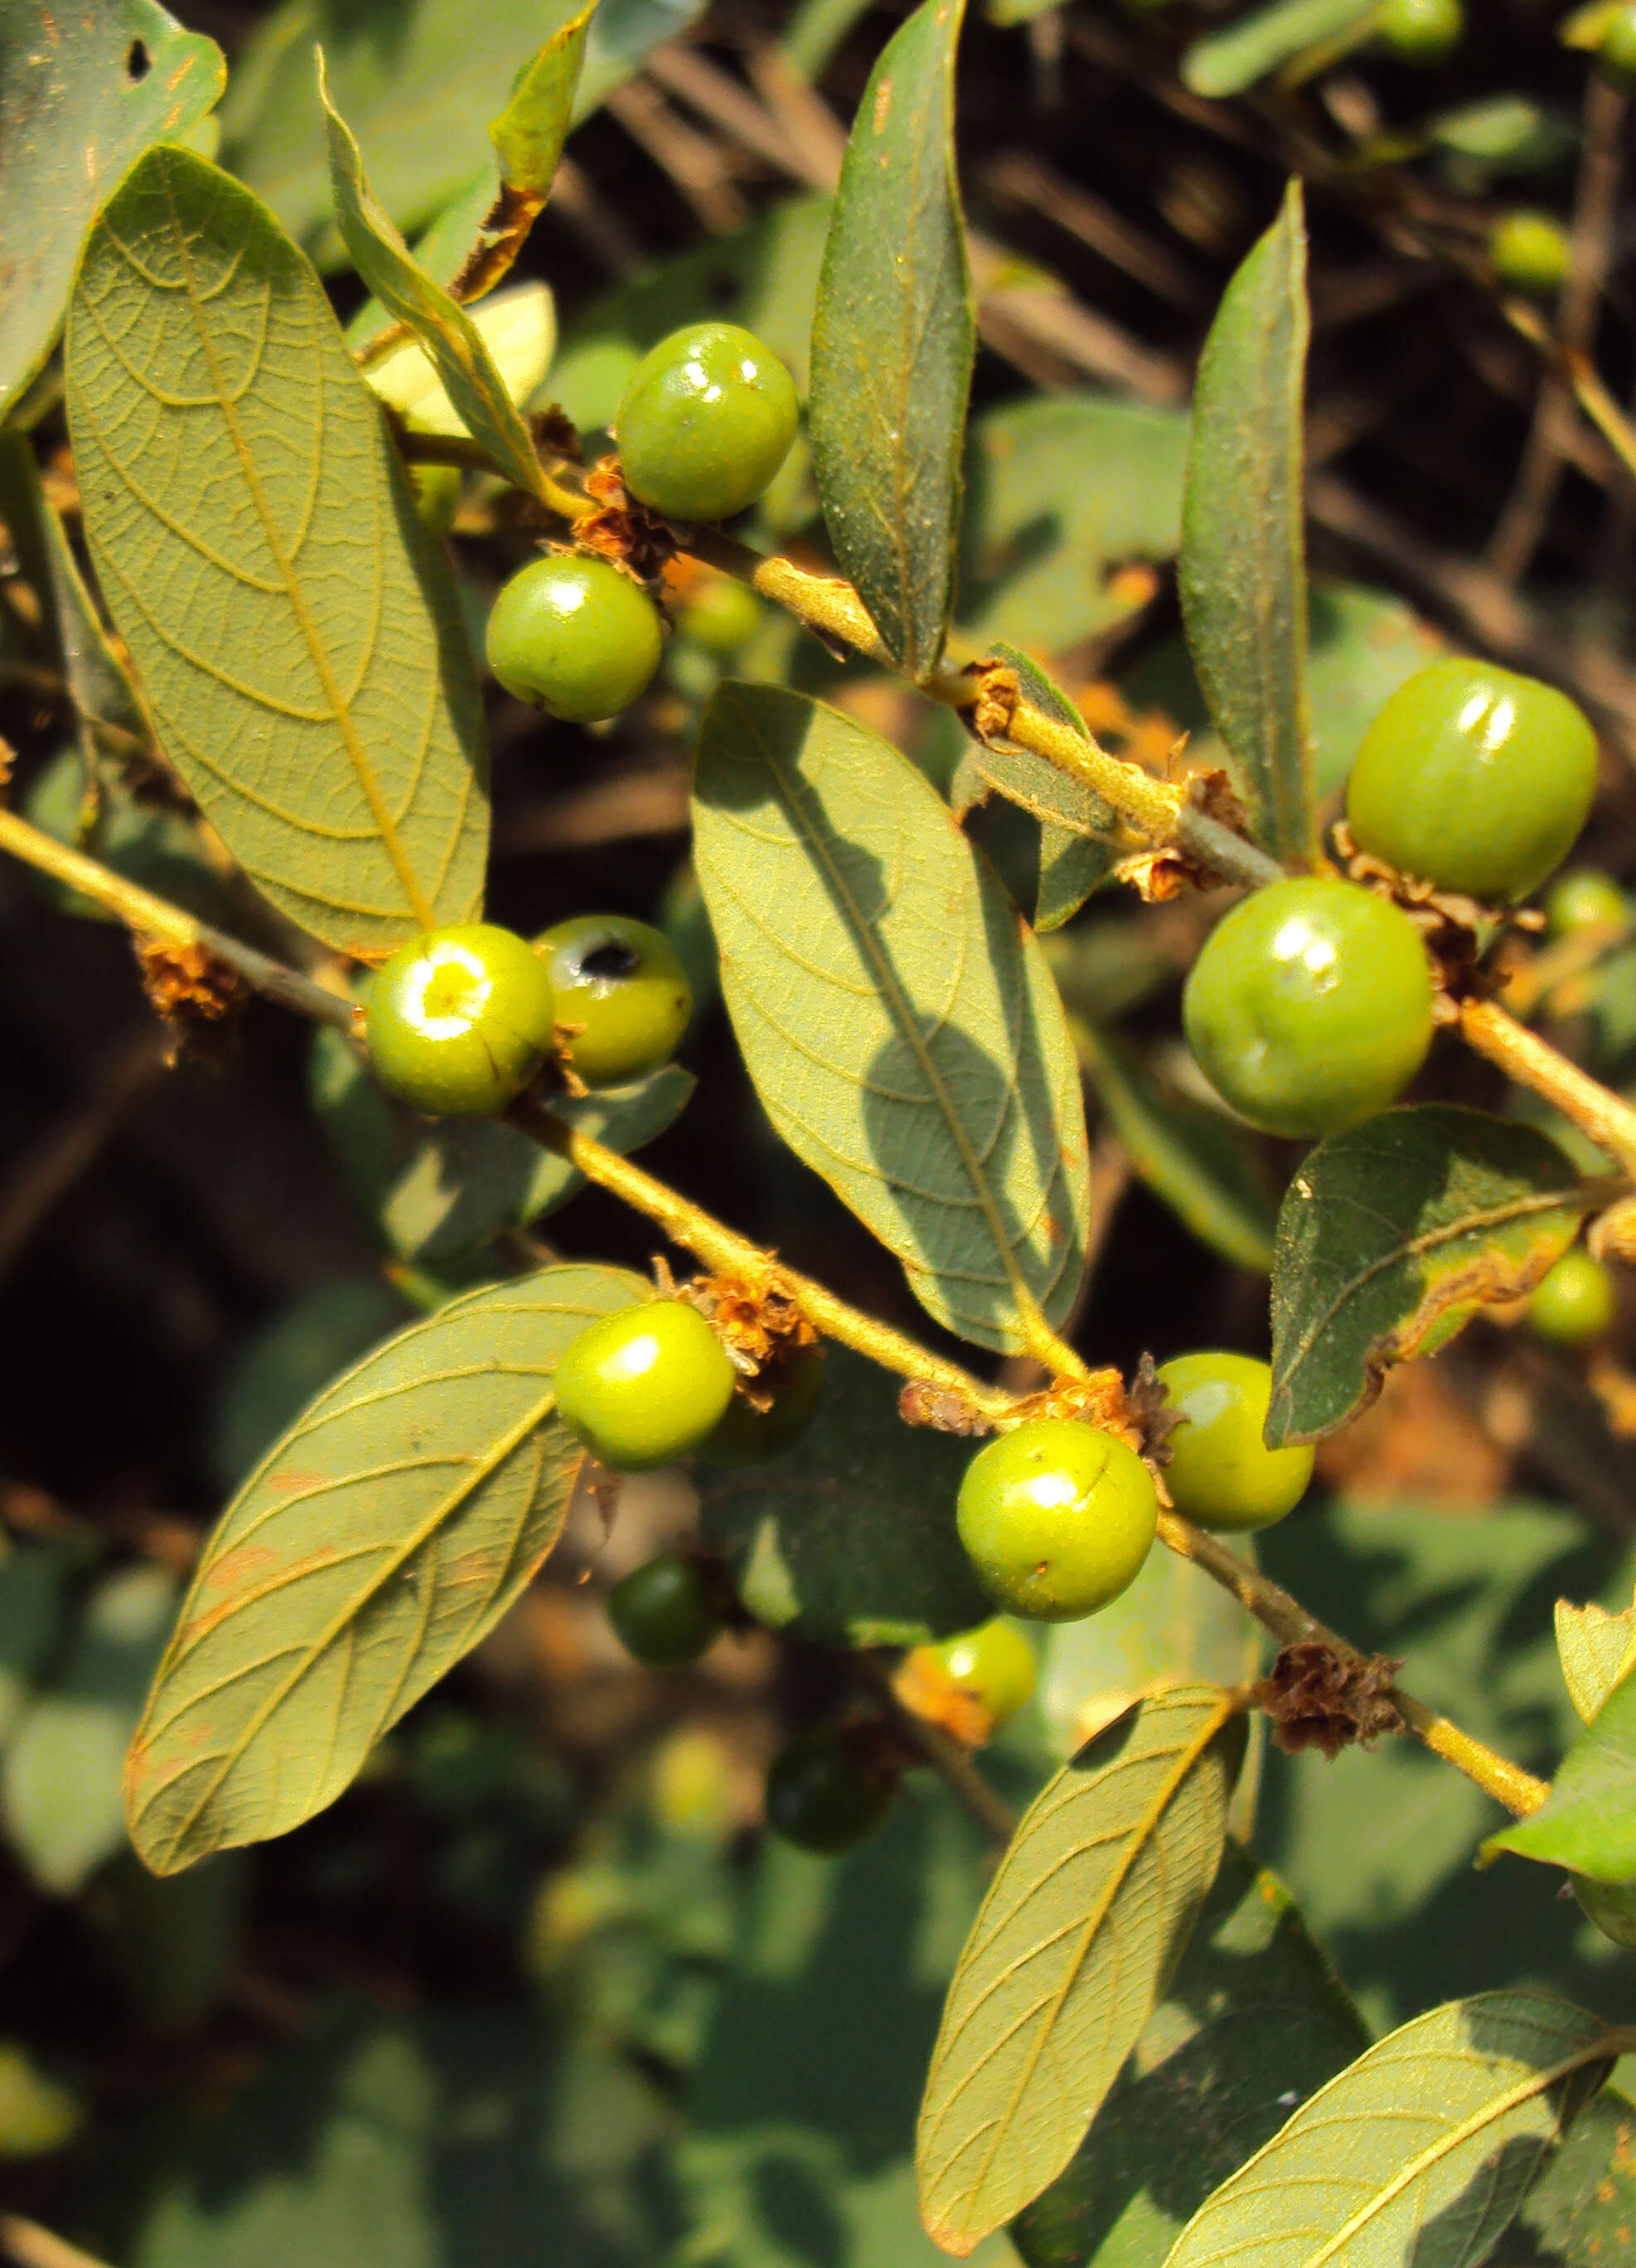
[(460, 1021), (1529, 252), (643, 1386), (824, 1792), (575, 636), (1584, 899), (436, 495), (1574, 1302), (1222, 1473), (749, 1436), (1617, 51), (1421, 32), (1309, 1006), (1057, 1518), (1474, 779), (668, 1613), (993, 1664), (622, 996), (706, 420), (720, 615)]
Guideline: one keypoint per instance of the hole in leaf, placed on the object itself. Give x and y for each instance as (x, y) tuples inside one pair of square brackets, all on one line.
[(138, 62)]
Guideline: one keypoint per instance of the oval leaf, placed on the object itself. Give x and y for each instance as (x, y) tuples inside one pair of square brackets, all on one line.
[(1242, 568), (1082, 1927), (897, 1019), (1419, 2153), (377, 1542), (1597, 1651), (294, 632), (1588, 1823), (83, 93), (1391, 1234), (892, 342), (1229, 61)]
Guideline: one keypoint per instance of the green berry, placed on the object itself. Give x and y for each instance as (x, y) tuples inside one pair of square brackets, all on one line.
[(1222, 1473), (1057, 1518), (576, 637), (1617, 54), (667, 1613), (826, 1791), (1421, 32), (1584, 899), (460, 1021), (1309, 1006), (749, 1436), (1529, 252), (643, 1386), (621, 984), (1574, 1302), (993, 1664), (1473, 779), (706, 420), (436, 495), (720, 613)]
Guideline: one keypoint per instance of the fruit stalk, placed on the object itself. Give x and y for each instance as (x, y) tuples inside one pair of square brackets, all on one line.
[(1532, 1062)]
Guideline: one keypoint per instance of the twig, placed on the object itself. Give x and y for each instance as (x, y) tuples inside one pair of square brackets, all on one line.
[(31, 2246), (1534, 1063)]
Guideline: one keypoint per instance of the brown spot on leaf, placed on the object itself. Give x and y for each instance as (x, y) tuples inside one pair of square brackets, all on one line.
[(239, 1565), (883, 106), (1317, 1699)]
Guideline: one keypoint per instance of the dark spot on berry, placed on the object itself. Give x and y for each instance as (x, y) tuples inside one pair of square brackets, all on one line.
[(138, 62), (608, 963)]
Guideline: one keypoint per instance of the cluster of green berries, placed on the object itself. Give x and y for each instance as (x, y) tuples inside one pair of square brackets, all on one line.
[(706, 421), (462, 1020), (1310, 1005)]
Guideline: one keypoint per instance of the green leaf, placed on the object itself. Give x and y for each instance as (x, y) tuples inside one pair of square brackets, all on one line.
[(1253, 2023), (529, 133), (1079, 829), (1588, 1823), (441, 250), (1363, 645), (893, 343), (1420, 2151), (1596, 1650), (439, 1190), (83, 93), (1081, 1929), (60, 1778), (1200, 1164), (899, 1021), (374, 1545), (1391, 1235), (270, 1380), (1229, 61), (1242, 568), (442, 325), (849, 1538), (294, 630), (1579, 2211)]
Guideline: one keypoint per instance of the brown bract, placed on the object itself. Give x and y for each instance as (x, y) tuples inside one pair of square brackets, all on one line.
[(758, 1321), (924, 1686), (1452, 924), (197, 996), (1319, 1699), (620, 529), (940, 1409)]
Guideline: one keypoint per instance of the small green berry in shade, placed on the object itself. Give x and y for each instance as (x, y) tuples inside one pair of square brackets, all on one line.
[(1574, 1302), (720, 613), (1617, 54), (622, 996), (706, 421), (1421, 32), (1222, 1474), (644, 1385), (459, 1021), (829, 1788), (669, 1612), (436, 495), (749, 1436), (1309, 1006), (1474, 779), (970, 1684), (1529, 252), (1584, 899), (576, 637), (1057, 1518)]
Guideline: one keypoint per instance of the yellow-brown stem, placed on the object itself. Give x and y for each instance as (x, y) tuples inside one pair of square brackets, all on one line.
[(1534, 1063)]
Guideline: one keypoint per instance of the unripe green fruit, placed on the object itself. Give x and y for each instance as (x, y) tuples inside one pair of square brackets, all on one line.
[(1584, 899), (460, 1021), (1529, 252), (576, 637), (643, 1386), (824, 1792), (993, 1664), (706, 420), (722, 615), (1057, 1518), (668, 1613), (436, 495), (621, 982), (1309, 1006), (1222, 1473), (749, 1436), (1617, 51), (1421, 32), (1473, 779), (1574, 1302)]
